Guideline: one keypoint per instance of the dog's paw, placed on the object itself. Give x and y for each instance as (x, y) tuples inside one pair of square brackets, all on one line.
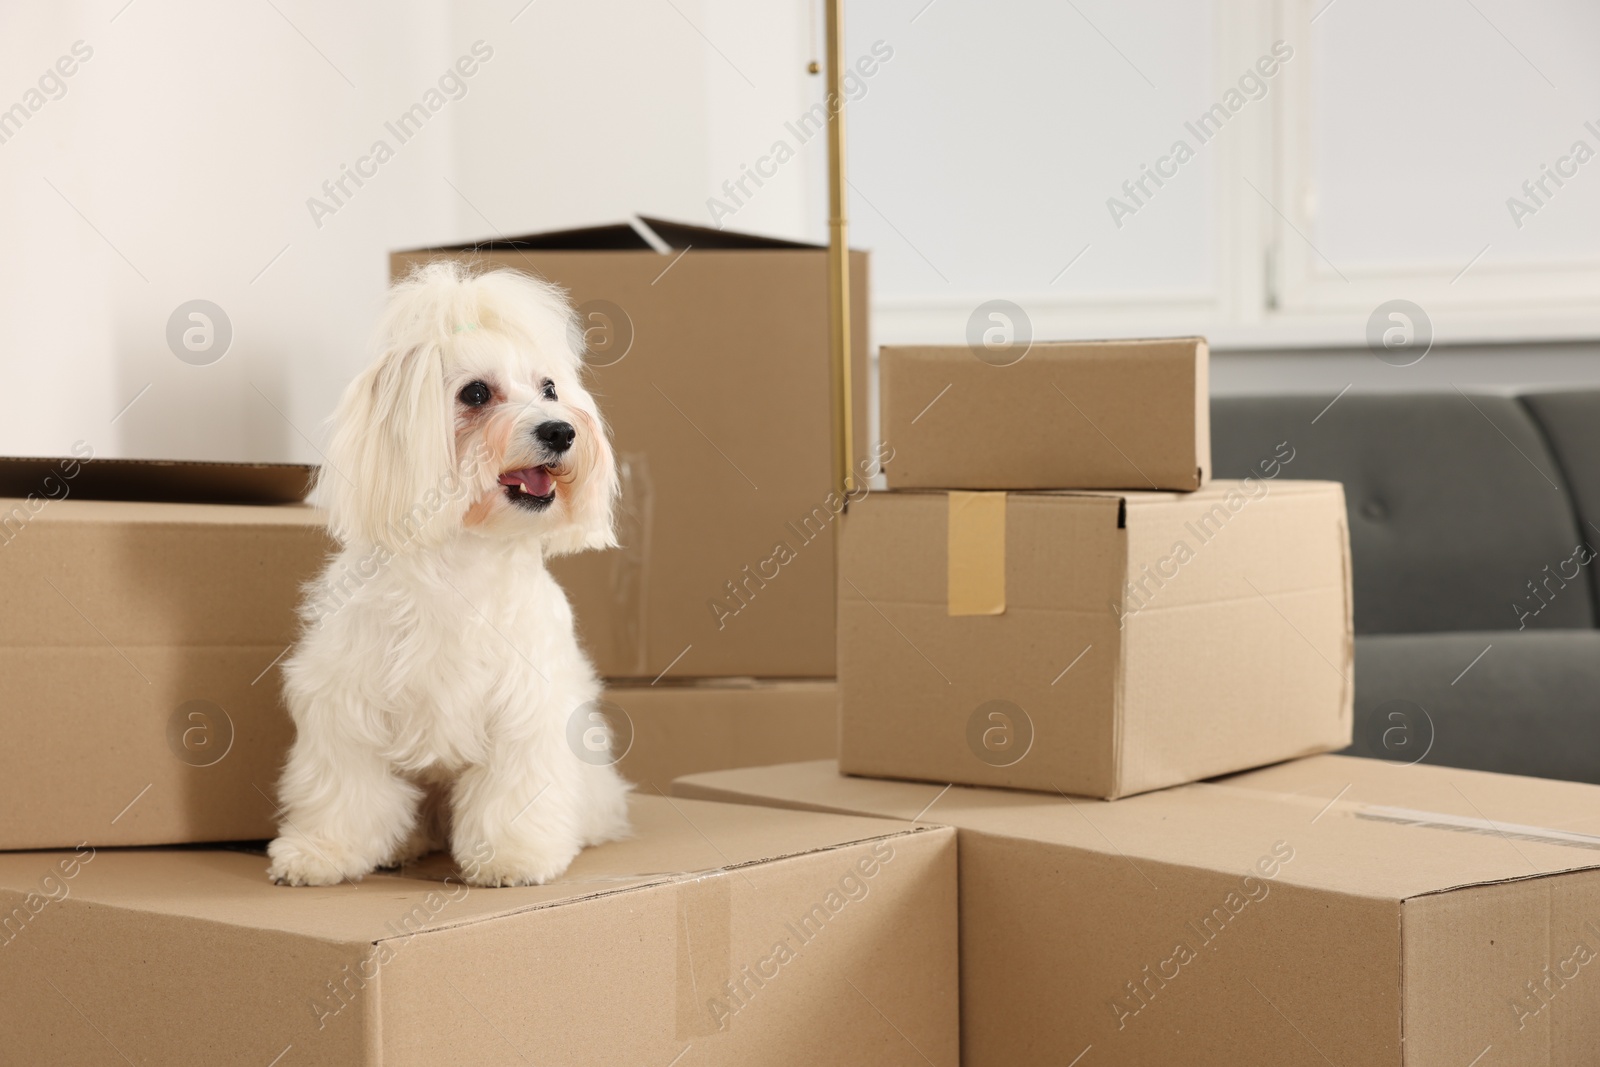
[(297, 862), (508, 867)]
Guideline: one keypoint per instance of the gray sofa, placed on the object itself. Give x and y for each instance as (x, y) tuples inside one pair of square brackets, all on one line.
[(1474, 523)]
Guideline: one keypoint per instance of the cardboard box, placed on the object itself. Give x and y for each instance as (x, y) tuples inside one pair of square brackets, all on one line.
[(709, 358), (674, 730), (138, 655), (1331, 910), (729, 934), (1056, 415), (140, 660), (1097, 643)]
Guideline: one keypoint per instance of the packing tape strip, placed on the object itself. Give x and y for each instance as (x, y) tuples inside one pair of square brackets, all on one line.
[(705, 950), (1430, 820), (630, 561), (976, 554), (1435, 820)]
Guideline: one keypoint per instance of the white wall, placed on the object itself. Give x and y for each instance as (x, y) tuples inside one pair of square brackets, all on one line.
[(190, 142), (622, 107), (179, 161), (193, 136)]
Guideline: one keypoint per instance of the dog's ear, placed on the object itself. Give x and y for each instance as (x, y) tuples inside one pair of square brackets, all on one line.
[(391, 477), (592, 492)]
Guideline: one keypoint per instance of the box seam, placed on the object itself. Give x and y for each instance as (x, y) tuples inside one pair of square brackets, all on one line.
[(659, 881)]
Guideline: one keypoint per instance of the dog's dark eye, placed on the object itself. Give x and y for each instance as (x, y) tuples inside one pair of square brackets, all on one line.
[(474, 394), (549, 389)]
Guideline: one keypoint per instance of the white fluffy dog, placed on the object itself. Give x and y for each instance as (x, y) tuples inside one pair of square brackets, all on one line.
[(439, 668)]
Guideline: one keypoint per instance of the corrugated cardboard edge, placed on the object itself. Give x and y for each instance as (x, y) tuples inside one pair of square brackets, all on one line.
[(1348, 712), (1119, 684), (975, 553), (656, 879)]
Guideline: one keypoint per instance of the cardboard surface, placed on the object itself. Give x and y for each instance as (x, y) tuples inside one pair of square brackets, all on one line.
[(138, 656), (143, 706), (646, 947), (1143, 639), (711, 367), (1080, 414), (686, 729), (1324, 910)]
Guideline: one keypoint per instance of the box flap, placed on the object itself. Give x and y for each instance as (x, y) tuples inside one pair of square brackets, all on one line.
[(672, 841), (1332, 810), (162, 480), (639, 234), (1213, 491)]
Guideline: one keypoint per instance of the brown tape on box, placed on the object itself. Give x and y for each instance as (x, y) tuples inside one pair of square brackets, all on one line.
[(977, 554), (705, 951)]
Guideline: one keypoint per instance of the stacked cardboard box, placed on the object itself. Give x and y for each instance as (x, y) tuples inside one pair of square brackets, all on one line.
[(1053, 595), (151, 602), (1045, 624), (140, 658), (142, 708)]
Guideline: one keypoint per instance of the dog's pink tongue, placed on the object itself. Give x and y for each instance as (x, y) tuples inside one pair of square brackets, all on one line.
[(534, 480)]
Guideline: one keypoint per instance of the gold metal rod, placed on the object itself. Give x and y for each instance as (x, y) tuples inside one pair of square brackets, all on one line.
[(839, 255)]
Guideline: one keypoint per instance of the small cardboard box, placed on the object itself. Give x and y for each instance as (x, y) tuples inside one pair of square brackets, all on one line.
[(708, 353), (729, 934), (1330, 910), (139, 651), (1097, 643), (674, 730), (1056, 415)]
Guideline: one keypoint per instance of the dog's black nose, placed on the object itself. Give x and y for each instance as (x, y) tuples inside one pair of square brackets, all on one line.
[(556, 436)]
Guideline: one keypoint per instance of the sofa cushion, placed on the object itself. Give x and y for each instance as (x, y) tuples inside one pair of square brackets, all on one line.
[(1530, 704), (1456, 504), (1570, 419)]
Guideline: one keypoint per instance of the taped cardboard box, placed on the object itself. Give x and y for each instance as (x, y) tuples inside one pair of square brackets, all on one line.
[(668, 731), (138, 653), (1327, 910), (1053, 415), (742, 934), (1097, 643), (709, 358)]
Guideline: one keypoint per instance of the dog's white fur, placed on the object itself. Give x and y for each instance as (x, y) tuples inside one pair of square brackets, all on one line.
[(439, 658)]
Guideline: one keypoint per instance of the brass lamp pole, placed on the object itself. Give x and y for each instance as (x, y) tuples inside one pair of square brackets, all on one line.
[(839, 255)]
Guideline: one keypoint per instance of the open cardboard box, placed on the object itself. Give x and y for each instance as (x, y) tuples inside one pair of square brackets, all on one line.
[(1329, 910), (724, 933), (140, 644), (141, 647)]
